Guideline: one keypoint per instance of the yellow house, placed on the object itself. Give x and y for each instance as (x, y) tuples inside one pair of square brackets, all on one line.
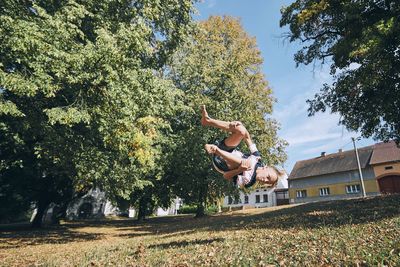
[(336, 176), (385, 161)]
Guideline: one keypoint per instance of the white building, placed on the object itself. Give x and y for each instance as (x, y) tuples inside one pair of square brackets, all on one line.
[(172, 210), (95, 205), (261, 197), (92, 205)]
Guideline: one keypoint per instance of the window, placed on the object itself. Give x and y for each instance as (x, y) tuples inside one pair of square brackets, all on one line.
[(230, 200), (301, 193), (324, 191), (246, 199), (265, 198), (352, 189), (237, 201), (257, 198), (388, 167), (282, 195)]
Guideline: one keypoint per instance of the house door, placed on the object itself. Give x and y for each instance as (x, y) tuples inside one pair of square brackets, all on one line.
[(282, 198), (389, 184), (85, 210)]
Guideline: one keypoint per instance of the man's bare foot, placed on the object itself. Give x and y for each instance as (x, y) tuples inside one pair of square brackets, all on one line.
[(204, 116), (211, 149)]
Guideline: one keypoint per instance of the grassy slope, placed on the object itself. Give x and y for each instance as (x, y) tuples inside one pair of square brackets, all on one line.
[(350, 232)]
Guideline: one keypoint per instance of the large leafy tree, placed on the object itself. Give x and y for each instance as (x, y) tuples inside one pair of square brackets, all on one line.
[(221, 68), (361, 42), (80, 101), (158, 190)]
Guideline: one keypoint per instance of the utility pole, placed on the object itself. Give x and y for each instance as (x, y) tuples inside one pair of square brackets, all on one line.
[(359, 167)]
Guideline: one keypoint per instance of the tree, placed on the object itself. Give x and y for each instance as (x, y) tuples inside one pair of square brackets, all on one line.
[(158, 190), (221, 68), (81, 103), (360, 40)]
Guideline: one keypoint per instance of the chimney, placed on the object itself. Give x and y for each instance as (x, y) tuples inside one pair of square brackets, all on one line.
[(323, 154), (340, 150)]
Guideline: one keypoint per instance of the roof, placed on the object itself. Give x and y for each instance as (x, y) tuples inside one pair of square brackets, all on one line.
[(281, 189), (385, 152), (331, 163)]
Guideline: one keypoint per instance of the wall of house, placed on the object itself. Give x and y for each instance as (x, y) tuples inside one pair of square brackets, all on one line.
[(252, 199), (335, 182), (380, 170), (95, 197), (171, 210)]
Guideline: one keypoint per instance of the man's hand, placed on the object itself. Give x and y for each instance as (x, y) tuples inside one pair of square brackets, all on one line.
[(211, 149), (245, 165), (234, 124), (227, 175)]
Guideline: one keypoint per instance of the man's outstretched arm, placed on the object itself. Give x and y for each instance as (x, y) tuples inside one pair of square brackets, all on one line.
[(232, 173), (244, 166)]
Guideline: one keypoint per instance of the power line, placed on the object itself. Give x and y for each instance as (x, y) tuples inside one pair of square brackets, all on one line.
[(345, 145)]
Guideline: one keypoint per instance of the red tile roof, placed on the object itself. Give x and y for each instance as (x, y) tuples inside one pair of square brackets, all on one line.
[(385, 152), (331, 163)]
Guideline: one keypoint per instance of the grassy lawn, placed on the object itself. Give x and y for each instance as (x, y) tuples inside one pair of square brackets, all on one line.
[(349, 232)]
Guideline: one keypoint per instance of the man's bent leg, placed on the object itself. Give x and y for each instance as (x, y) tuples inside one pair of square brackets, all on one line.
[(238, 134), (207, 121), (233, 161), (236, 128)]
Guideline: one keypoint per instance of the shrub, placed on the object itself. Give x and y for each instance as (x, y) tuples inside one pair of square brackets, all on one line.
[(212, 209), (187, 209)]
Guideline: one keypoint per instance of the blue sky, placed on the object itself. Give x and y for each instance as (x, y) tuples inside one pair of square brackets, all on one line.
[(307, 136)]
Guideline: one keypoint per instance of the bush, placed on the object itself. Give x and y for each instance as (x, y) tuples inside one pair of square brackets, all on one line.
[(191, 209), (187, 209), (212, 209)]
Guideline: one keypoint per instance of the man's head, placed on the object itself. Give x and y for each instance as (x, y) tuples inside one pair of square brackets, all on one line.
[(269, 175)]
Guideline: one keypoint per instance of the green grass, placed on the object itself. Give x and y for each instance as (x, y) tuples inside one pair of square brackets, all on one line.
[(359, 232)]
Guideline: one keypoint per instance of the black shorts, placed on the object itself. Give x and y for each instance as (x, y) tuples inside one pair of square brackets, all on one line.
[(218, 161)]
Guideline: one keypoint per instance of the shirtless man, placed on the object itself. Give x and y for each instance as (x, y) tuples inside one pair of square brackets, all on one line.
[(243, 170)]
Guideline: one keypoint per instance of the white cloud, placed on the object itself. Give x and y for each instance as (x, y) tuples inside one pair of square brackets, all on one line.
[(211, 3), (297, 128), (297, 106), (307, 136), (304, 139), (332, 146), (322, 126)]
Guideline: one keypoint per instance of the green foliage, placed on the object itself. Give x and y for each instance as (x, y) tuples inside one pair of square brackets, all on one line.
[(81, 102), (221, 68), (360, 40), (187, 209), (192, 209), (212, 209)]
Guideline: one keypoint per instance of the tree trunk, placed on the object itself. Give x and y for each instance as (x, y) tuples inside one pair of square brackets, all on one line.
[(37, 221), (200, 211), (201, 202), (142, 209), (219, 204), (59, 212)]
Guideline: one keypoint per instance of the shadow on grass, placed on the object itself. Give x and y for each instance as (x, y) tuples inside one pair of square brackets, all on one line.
[(318, 214), (310, 215), (53, 235), (306, 216), (127, 224), (187, 243)]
